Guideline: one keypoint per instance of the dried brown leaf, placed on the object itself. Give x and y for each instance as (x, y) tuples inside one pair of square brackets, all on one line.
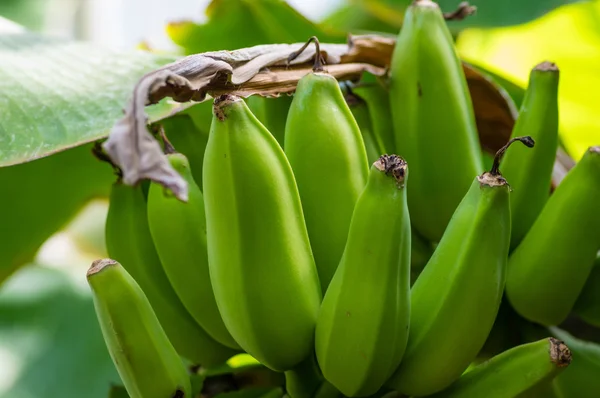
[(265, 70)]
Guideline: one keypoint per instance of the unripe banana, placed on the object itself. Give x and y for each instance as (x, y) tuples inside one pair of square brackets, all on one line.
[(144, 357), (261, 266), (189, 138), (272, 113), (433, 118), (377, 98), (513, 372), (420, 253), (456, 298), (362, 326), (128, 241), (548, 270), (178, 230), (587, 306), (360, 112), (530, 174), (580, 379), (327, 153)]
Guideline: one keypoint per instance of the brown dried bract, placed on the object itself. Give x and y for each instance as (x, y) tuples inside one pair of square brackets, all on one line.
[(99, 265), (559, 352), (264, 70), (394, 165)]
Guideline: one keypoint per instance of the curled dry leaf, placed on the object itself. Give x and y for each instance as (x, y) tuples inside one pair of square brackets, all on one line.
[(264, 70)]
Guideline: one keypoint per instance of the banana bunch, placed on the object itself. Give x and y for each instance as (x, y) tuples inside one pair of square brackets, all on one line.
[(349, 240)]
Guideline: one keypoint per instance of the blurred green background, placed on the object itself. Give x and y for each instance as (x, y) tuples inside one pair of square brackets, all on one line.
[(50, 343)]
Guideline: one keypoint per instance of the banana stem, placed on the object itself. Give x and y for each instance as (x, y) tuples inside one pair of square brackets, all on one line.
[(168, 147), (527, 141), (463, 10), (319, 61)]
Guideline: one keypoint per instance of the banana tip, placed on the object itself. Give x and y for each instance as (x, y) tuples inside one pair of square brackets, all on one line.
[(559, 352), (425, 3), (394, 165), (99, 265), (546, 66), (492, 180), (221, 102)]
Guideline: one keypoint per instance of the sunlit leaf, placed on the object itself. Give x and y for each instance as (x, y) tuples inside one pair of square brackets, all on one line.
[(569, 37), (57, 94)]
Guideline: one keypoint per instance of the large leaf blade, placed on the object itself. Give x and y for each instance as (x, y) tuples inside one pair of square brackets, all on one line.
[(57, 94)]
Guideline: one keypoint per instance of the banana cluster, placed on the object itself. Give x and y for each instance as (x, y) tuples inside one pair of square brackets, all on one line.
[(361, 249)]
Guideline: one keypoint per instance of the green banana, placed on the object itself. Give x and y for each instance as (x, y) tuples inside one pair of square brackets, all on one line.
[(377, 99), (178, 231), (360, 112), (362, 326), (128, 241), (189, 139), (513, 372), (433, 118), (456, 298), (272, 113), (587, 306), (324, 146), (420, 253), (530, 174), (144, 357), (261, 266), (548, 270), (580, 379)]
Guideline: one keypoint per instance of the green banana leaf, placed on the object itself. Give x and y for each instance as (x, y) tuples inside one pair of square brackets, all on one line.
[(569, 37), (234, 24), (40, 197), (29, 13), (57, 94), (50, 341)]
